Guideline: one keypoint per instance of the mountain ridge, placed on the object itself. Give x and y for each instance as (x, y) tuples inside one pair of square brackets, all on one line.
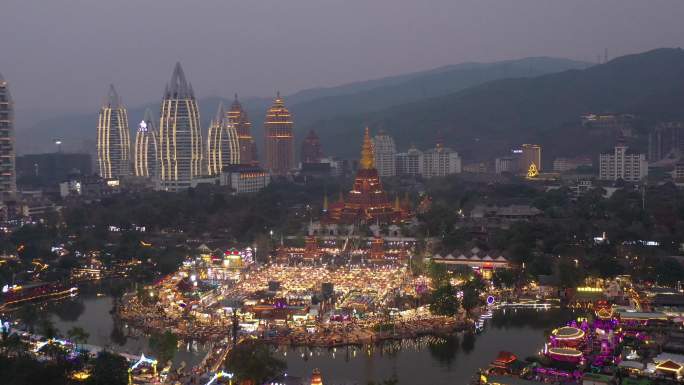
[(77, 131)]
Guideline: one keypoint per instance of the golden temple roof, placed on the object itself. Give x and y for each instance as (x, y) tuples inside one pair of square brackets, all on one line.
[(367, 154)]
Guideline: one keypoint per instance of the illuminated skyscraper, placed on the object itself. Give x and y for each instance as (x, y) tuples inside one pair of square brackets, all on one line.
[(311, 149), (180, 137), (238, 118), (113, 138), (146, 154), (223, 148), (279, 139), (7, 171)]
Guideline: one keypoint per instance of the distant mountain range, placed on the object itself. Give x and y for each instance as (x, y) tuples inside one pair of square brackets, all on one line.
[(488, 119), (330, 106)]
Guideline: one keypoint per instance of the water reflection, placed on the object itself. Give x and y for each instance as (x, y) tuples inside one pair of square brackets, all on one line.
[(93, 310), (444, 350), (69, 310), (468, 344), (432, 360), (437, 361)]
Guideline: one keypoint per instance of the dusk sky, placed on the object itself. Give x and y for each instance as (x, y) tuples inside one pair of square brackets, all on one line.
[(60, 55)]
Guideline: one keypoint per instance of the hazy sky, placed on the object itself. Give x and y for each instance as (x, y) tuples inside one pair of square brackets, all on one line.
[(60, 55)]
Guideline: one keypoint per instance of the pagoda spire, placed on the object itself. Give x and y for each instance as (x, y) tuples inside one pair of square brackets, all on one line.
[(367, 153)]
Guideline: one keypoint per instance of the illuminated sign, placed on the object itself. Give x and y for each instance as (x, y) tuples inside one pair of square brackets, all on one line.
[(142, 127)]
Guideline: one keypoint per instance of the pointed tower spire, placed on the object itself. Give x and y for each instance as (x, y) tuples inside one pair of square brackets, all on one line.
[(220, 112), (113, 99), (325, 202), (367, 154), (179, 88)]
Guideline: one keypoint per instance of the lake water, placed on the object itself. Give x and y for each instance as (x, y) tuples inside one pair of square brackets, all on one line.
[(434, 361), (93, 313), (430, 360)]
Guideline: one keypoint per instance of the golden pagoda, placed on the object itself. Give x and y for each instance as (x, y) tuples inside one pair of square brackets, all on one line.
[(367, 202)]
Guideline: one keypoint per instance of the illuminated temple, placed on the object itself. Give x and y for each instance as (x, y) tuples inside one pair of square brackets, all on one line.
[(367, 202)]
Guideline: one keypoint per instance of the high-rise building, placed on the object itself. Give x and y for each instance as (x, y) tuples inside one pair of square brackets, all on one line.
[(8, 177), (311, 149), (531, 154), (146, 163), (223, 147), (279, 138), (180, 137), (622, 164), (410, 162), (507, 164), (113, 138), (666, 140), (385, 154), (440, 161), (237, 116)]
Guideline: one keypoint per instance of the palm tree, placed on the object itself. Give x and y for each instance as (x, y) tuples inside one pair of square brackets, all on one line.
[(78, 335), (13, 345)]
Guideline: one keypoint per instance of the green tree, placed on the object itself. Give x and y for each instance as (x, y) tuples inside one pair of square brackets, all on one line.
[(504, 278), (164, 345), (438, 273), (13, 345), (47, 327), (28, 314), (254, 362), (569, 273), (78, 335), (471, 299), (668, 271), (109, 369), (443, 301)]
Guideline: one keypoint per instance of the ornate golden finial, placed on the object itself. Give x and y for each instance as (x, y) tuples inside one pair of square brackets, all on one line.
[(316, 378), (367, 153)]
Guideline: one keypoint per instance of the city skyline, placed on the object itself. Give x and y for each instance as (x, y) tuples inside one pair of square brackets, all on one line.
[(604, 26)]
